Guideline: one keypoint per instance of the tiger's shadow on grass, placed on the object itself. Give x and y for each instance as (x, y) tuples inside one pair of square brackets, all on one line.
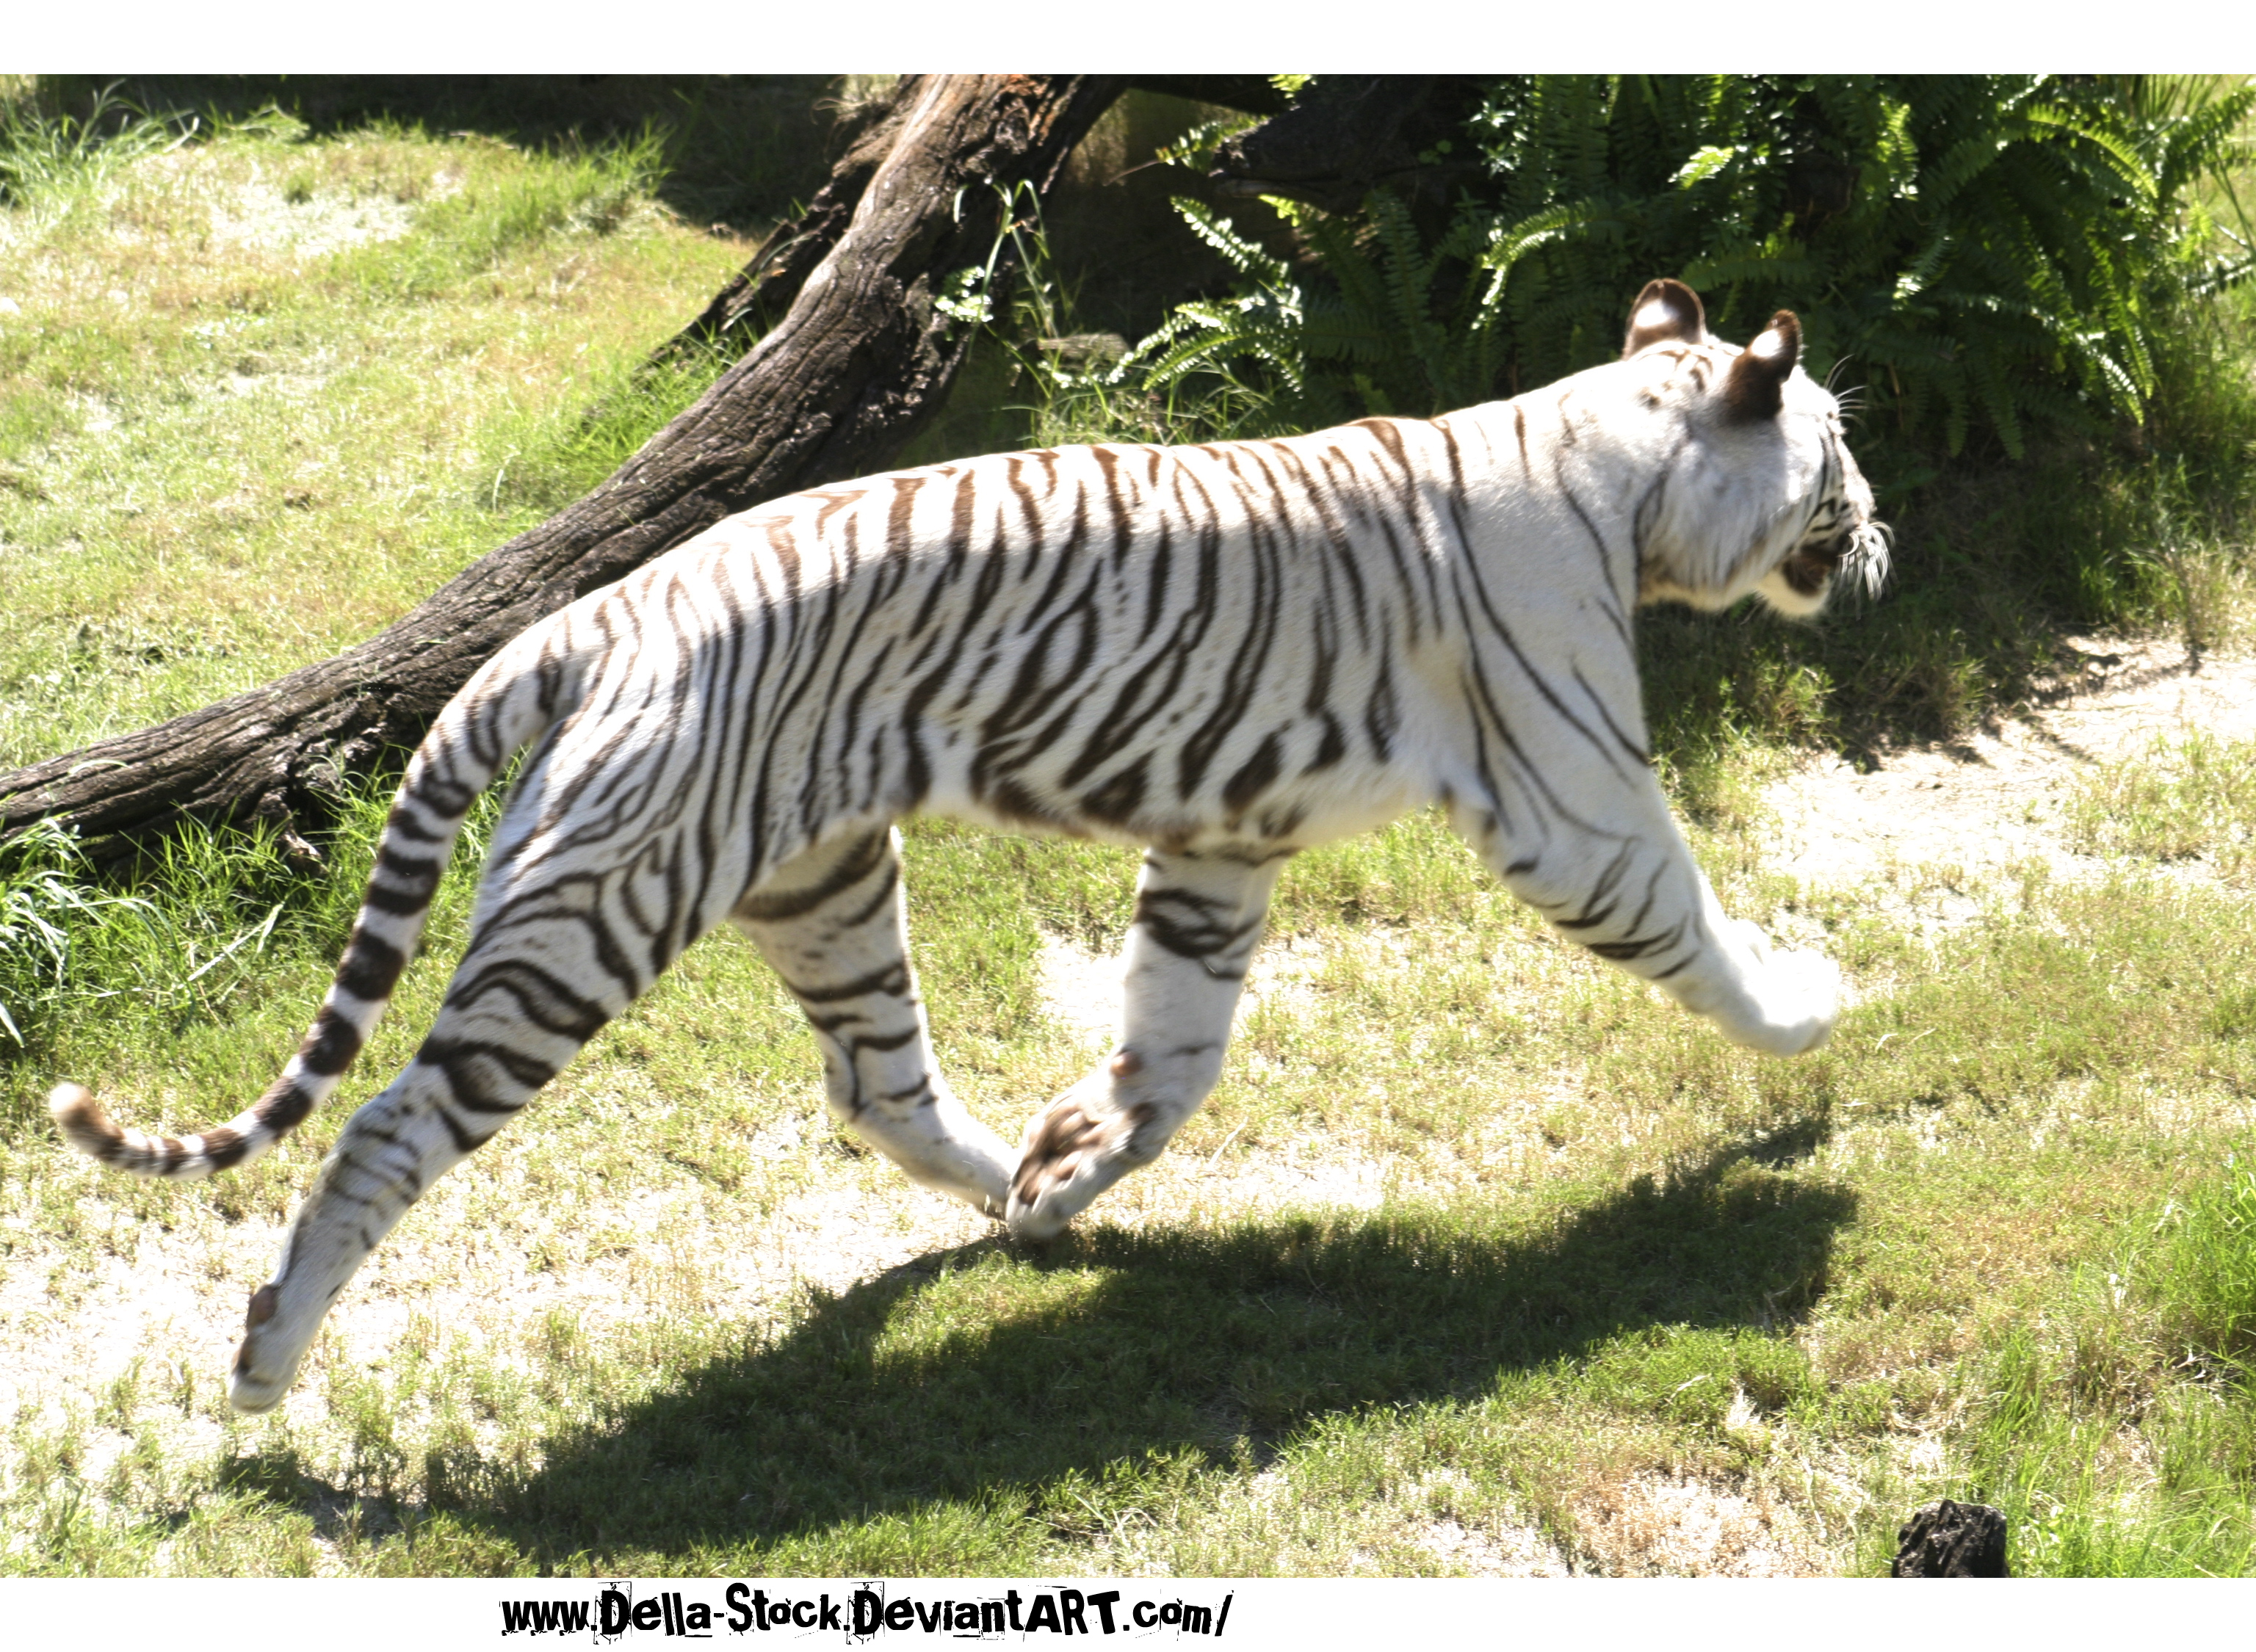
[(987, 1371)]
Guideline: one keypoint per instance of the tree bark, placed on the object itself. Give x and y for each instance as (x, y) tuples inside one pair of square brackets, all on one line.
[(857, 363), (760, 294)]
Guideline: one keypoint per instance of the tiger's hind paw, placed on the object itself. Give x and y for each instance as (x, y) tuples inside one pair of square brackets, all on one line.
[(261, 1374), (1075, 1148)]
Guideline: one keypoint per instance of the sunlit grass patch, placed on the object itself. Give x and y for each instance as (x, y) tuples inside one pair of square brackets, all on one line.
[(2197, 1265), (263, 393), (2191, 797), (52, 161), (2118, 1430), (1634, 1302)]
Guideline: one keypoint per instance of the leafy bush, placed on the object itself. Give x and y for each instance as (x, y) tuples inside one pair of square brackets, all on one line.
[(1984, 251)]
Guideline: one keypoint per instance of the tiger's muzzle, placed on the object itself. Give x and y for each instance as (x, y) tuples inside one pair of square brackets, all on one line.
[(1858, 555)]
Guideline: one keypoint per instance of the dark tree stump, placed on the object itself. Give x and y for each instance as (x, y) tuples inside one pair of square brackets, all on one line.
[(1348, 132), (1952, 1540), (1254, 93), (857, 363)]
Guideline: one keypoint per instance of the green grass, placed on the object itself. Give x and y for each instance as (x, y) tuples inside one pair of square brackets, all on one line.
[(329, 375), (1681, 1265), (2184, 798), (1480, 1256)]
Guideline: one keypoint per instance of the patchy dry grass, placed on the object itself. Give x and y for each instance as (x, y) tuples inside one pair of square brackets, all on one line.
[(1481, 1261), (2192, 799)]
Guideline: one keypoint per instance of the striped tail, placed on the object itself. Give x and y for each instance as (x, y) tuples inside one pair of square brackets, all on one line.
[(514, 699)]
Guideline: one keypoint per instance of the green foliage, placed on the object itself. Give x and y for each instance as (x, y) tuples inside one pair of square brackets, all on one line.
[(44, 899), (1092, 387), (2201, 1268), (187, 935), (2192, 796), (48, 161), (2050, 1460), (1373, 340), (1234, 366), (1986, 252)]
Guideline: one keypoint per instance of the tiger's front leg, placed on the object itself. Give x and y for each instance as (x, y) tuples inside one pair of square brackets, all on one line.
[(1198, 919), (1634, 896), (832, 923)]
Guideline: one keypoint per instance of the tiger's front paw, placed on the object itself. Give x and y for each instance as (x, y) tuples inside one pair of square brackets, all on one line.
[(1795, 996), (1076, 1148)]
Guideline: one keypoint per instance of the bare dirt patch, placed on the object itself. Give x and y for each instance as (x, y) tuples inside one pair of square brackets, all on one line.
[(1997, 799), (1084, 991), (1503, 1551), (1669, 1525), (261, 216), (1081, 990)]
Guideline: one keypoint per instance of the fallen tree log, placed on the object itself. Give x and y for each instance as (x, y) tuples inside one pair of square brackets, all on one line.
[(760, 294), (858, 361)]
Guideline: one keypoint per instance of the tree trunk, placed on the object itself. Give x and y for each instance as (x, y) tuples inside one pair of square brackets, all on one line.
[(857, 363), (760, 294)]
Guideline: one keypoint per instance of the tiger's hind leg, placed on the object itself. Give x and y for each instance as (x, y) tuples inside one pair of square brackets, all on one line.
[(545, 969), (832, 923), (1198, 920)]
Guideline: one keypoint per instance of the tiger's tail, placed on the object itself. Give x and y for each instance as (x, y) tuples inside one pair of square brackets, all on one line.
[(514, 699)]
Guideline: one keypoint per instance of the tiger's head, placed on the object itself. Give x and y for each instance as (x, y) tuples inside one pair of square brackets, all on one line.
[(1757, 491)]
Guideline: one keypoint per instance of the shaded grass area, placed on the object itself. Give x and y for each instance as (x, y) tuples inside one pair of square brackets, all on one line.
[(981, 1380), (1995, 1241), (2002, 577)]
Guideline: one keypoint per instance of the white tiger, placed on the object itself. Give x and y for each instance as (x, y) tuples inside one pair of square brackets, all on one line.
[(1222, 653)]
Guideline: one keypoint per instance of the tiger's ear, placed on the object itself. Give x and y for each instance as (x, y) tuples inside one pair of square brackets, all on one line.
[(1665, 310), (1756, 386)]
